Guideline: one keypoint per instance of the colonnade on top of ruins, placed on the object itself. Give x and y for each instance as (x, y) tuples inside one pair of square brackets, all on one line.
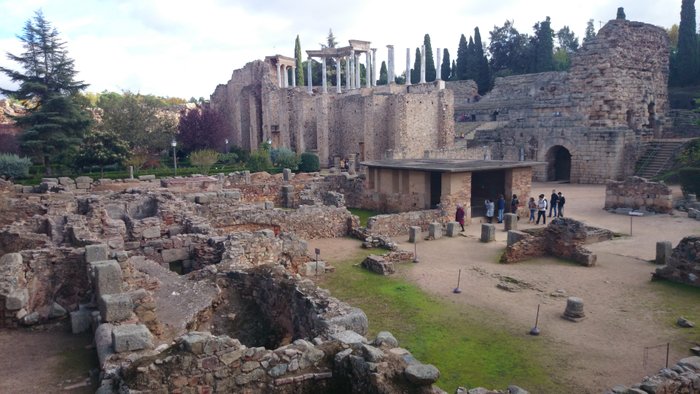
[(352, 56)]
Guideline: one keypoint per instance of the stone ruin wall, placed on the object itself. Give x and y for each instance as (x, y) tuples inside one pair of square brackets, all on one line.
[(399, 223), (684, 264), (639, 193), (599, 110)]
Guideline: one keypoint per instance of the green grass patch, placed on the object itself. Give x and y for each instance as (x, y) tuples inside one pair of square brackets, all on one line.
[(364, 215), (469, 346), (677, 300)]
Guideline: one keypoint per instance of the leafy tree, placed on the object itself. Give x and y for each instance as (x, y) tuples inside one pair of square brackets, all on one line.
[(259, 160), (462, 55), (143, 121), (567, 39), (13, 166), (331, 42), (543, 47), (483, 72), (509, 50), (202, 128), (415, 71), (309, 162), (284, 158), (687, 61), (590, 31), (430, 71), (101, 148), (298, 62), (55, 124), (204, 159), (383, 74), (445, 69)]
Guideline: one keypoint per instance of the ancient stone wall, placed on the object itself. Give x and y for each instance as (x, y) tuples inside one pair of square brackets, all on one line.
[(684, 265), (639, 193), (684, 377), (399, 223)]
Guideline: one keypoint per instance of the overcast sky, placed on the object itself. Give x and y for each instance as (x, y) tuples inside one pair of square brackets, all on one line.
[(185, 48)]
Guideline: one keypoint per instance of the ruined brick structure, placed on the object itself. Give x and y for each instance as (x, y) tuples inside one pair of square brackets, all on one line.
[(638, 193), (370, 123), (589, 123)]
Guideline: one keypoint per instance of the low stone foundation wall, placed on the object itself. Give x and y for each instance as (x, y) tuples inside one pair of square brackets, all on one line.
[(684, 377), (399, 223), (638, 193), (684, 264)]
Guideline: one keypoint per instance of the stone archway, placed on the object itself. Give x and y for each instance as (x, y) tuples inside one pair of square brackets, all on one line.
[(558, 163)]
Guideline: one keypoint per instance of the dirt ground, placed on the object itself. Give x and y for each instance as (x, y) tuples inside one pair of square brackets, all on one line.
[(606, 348)]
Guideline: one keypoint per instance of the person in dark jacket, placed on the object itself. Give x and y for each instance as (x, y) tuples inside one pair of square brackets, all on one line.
[(553, 203), (560, 205), (459, 216), (501, 204), (514, 204)]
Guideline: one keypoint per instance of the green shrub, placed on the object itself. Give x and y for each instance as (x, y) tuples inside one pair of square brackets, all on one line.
[(309, 162), (13, 166), (228, 158), (259, 161), (284, 158), (690, 180), (204, 159)]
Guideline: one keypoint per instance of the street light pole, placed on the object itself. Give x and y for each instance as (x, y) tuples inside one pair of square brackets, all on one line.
[(174, 145), (226, 141)]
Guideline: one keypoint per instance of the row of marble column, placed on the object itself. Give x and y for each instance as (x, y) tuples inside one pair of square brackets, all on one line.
[(283, 78), (352, 70)]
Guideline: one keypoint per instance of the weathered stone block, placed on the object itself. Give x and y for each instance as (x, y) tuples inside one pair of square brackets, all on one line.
[(435, 230), (378, 265), (414, 234), (453, 229), (269, 205), (147, 177), (422, 374), (515, 236), (179, 254), (96, 253), (16, 299), (108, 277), (664, 250), (287, 174), (313, 267), (131, 337), (488, 232), (151, 232), (511, 221), (115, 307), (80, 321)]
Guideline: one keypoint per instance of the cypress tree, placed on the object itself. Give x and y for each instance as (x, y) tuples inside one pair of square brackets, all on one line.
[(687, 61), (430, 71), (415, 71), (483, 75), (445, 69), (462, 55), (383, 74), (590, 31), (472, 63), (544, 47), (453, 72), (298, 62)]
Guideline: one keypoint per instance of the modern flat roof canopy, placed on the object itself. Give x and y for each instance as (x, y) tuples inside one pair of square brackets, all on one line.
[(450, 165)]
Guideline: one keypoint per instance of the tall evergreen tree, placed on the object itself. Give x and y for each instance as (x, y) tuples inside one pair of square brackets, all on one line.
[(298, 61), (54, 127), (483, 76), (445, 69), (415, 71), (590, 31), (430, 71), (462, 55), (687, 61), (453, 71), (543, 48), (383, 74), (472, 63)]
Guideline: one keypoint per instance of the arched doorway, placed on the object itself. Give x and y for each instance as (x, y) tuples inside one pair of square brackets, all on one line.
[(558, 164)]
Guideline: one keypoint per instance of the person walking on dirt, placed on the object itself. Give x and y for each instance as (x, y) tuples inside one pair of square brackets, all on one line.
[(501, 207), (489, 210), (514, 204), (459, 216), (553, 203), (560, 205), (532, 205), (542, 210)]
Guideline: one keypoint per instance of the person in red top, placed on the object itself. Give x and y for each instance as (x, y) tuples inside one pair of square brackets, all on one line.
[(459, 216)]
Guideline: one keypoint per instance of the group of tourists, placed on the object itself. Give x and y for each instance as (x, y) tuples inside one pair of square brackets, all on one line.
[(555, 205)]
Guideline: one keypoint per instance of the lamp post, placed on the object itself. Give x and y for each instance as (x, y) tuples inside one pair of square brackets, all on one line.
[(173, 143), (226, 142)]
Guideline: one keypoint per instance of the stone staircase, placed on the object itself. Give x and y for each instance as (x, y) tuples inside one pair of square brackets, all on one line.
[(658, 157)]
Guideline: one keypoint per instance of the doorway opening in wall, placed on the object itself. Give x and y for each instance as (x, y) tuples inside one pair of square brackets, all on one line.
[(486, 185), (558, 164), (435, 189)]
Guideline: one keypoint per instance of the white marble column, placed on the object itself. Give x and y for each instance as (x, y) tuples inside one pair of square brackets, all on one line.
[(422, 64), (279, 75), (375, 76), (368, 69), (337, 75), (286, 76), (408, 66), (347, 73), (358, 81), (294, 76), (324, 84), (390, 65), (309, 82), (438, 65), (352, 69)]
